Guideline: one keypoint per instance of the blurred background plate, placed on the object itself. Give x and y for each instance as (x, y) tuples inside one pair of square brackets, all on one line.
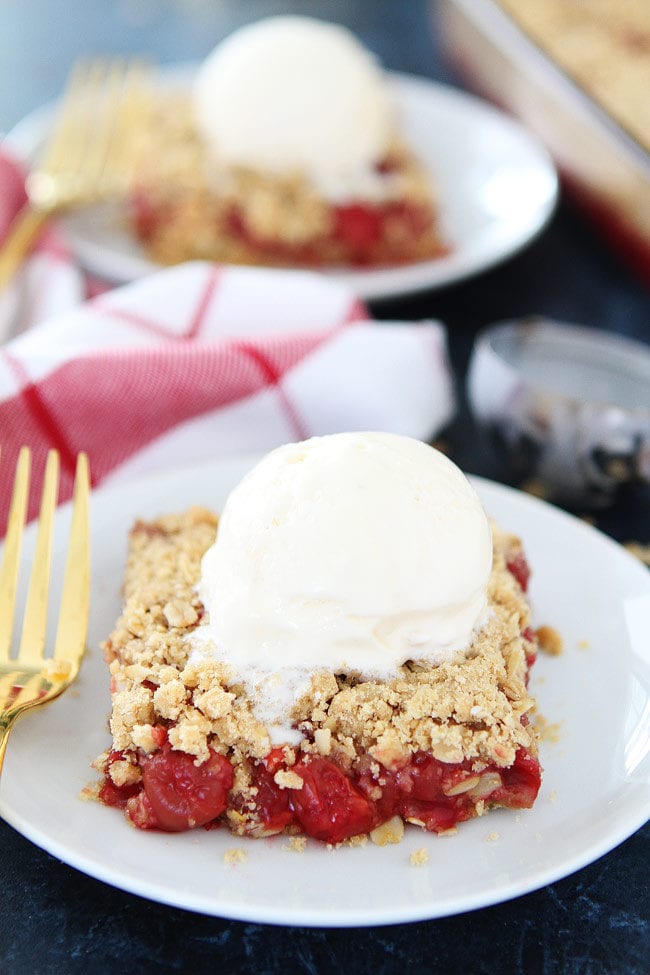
[(496, 185)]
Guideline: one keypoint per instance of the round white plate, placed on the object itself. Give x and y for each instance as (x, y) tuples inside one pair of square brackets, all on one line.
[(595, 792), (497, 188)]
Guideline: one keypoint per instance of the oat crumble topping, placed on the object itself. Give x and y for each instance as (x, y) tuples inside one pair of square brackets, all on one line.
[(548, 731), (550, 641)]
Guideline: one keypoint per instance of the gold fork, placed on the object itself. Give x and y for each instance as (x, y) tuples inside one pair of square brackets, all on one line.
[(30, 679), (90, 155)]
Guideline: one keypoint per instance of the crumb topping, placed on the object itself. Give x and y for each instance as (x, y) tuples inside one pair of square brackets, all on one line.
[(288, 780), (550, 641), (297, 844), (419, 857), (547, 731)]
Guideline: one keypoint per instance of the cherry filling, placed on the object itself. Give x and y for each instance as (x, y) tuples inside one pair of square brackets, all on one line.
[(333, 804), (146, 216), (175, 794), (329, 806), (521, 782), (519, 568), (272, 806), (114, 795), (361, 233), (183, 795), (358, 225)]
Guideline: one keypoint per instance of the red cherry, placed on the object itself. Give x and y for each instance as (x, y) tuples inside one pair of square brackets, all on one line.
[(182, 795), (329, 807)]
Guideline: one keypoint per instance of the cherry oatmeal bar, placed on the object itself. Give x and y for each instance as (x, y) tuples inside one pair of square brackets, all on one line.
[(434, 745), (286, 151), (274, 221)]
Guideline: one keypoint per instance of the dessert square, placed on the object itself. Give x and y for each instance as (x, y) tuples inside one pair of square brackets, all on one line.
[(432, 746), (257, 218), (285, 151)]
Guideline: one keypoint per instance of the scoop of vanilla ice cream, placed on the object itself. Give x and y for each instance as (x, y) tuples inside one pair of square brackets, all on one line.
[(289, 94), (353, 553)]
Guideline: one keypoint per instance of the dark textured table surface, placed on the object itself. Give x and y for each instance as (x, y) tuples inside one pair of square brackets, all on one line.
[(54, 919)]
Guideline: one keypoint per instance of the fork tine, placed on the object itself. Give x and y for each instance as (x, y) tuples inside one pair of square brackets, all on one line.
[(32, 641), (91, 150), (64, 149), (30, 681), (120, 102), (73, 615), (102, 100), (66, 124), (130, 120), (11, 558)]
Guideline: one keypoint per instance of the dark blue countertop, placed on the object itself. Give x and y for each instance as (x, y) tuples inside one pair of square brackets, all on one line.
[(56, 920)]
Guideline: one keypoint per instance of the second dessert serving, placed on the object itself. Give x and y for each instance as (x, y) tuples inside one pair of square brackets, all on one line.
[(286, 151)]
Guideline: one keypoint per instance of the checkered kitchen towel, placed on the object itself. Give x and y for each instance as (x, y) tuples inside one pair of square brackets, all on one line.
[(200, 361)]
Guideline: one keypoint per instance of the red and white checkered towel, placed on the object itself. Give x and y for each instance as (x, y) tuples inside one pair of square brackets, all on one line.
[(200, 361)]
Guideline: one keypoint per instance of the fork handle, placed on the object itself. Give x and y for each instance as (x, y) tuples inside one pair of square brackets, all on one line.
[(22, 235)]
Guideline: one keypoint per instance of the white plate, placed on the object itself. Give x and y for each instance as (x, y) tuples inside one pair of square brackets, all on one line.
[(497, 189), (595, 792)]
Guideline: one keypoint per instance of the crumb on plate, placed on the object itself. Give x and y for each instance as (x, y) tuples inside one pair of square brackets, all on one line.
[(550, 641), (641, 551)]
